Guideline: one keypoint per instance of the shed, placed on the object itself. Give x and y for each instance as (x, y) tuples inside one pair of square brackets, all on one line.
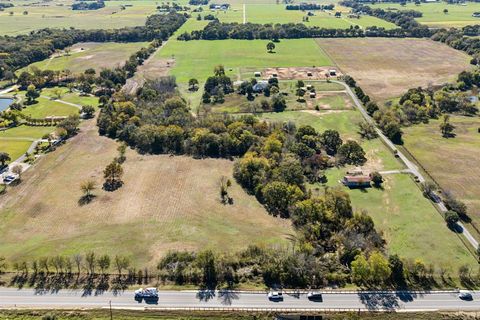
[(257, 74), (332, 72), (309, 74), (357, 181)]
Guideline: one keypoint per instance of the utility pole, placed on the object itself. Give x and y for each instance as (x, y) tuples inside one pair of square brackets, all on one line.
[(111, 315)]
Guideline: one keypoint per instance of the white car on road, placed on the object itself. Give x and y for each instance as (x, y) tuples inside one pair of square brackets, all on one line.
[(275, 295)]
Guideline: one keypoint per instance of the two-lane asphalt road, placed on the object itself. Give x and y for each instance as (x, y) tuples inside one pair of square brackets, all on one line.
[(404, 301)]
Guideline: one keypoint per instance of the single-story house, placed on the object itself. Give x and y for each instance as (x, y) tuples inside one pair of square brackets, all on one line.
[(260, 86), (357, 181)]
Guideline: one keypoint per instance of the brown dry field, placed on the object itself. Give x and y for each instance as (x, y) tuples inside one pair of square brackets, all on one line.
[(386, 68), (165, 203)]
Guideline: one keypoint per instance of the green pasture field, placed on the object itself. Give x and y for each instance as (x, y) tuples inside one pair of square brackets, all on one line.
[(87, 55), (273, 13), (196, 59), (58, 14), (451, 162), (399, 210), (459, 15)]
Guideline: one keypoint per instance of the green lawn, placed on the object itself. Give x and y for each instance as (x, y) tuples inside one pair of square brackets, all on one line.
[(15, 148), (196, 59), (16, 141), (58, 14), (457, 16), (48, 108), (26, 132), (399, 210), (90, 55)]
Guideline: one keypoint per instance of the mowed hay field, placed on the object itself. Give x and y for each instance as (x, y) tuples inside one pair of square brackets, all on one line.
[(386, 68), (277, 13), (399, 209), (165, 203), (453, 163), (58, 14), (459, 15), (94, 55)]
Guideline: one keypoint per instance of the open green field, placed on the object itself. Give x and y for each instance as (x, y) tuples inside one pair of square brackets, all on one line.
[(87, 55), (273, 13), (16, 141), (198, 58), (451, 162), (158, 208), (49, 108), (409, 222), (58, 14), (459, 15)]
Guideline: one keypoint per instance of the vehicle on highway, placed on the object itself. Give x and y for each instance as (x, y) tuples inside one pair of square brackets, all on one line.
[(275, 296), (465, 295), (315, 296), (147, 294)]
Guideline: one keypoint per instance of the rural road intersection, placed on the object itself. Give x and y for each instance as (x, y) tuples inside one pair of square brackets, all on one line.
[(229, 300)]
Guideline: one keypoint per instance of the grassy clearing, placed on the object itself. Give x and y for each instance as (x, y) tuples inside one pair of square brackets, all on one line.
[(451, 162), (158, 208), (94, 55), (58, 14), (386, 68), (459, 15), (399, 210), (198, 58)]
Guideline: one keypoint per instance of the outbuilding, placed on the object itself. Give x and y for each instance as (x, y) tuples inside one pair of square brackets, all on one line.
[(357, 181)]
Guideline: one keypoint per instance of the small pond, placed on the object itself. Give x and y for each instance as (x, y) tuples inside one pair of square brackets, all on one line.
[(4, 103)]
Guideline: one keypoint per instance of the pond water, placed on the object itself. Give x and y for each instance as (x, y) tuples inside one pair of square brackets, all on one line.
[(4, 103)]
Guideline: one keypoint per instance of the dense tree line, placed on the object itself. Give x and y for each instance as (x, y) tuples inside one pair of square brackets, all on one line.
[(309, 6), (216, 30), (464, 39), (90, 5), (22, 50)]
